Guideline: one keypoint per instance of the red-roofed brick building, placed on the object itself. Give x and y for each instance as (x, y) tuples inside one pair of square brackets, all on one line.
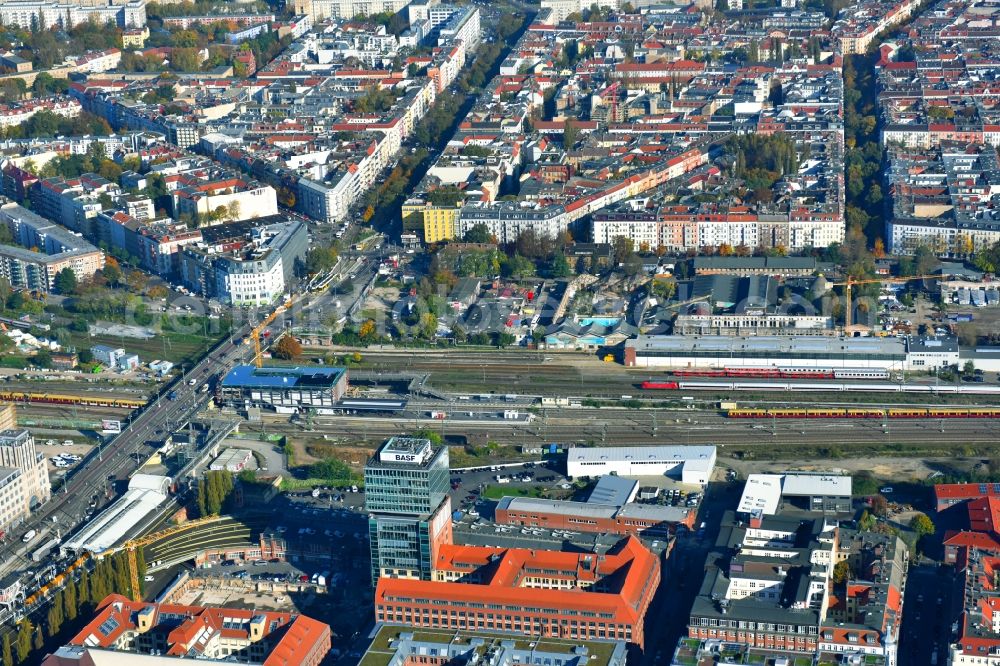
[(947, 495), (151, 630), (983, 515), (532, 592), (978, 627)]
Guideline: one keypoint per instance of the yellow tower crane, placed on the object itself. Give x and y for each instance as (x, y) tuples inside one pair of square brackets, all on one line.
[(130, 548), (851, 281), (255, 333)]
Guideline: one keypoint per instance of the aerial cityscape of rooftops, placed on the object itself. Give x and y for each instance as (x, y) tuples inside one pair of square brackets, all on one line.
[(500, 332)]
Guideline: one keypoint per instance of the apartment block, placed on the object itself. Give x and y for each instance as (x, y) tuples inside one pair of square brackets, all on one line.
[(155, 633), (58, 249)]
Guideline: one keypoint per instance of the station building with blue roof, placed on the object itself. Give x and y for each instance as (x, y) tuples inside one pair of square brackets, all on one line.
[(284, 390)]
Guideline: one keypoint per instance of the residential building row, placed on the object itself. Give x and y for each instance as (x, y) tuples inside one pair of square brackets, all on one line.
[(648, 160), (941, 128), (151, 632), (859, 25), (45, 14)]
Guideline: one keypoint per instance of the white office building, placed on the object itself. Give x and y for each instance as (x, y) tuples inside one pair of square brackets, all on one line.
[(688, 464)]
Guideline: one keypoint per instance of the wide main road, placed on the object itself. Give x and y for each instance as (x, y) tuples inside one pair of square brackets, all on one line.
[(121, 456)]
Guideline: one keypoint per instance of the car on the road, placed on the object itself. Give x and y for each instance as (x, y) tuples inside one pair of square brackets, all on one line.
[(259, 563), (148, 579)]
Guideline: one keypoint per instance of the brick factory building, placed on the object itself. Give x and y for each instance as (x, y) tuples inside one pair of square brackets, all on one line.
[(531, 592)]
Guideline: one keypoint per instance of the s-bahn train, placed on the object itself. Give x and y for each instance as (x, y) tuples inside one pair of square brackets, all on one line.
[(868, 413)]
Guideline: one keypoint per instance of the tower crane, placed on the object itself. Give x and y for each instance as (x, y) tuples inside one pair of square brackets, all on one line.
[(256, 331), (130, 547), (851, 281)]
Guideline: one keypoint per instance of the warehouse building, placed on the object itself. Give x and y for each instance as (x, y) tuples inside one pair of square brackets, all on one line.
[(688, 464), (608, 510), (714, 351), (284, 390), (641, 520), (145, 493), (232, 460)]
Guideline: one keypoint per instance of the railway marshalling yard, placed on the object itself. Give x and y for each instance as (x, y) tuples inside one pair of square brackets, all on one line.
[(609, 407)]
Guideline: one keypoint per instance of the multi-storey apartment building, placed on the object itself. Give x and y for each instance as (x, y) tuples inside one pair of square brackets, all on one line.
[(57, 250)]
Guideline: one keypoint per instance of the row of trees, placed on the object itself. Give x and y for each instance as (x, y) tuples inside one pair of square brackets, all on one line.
[(46, 124), (71, 603), (214, 492), (47, 46)]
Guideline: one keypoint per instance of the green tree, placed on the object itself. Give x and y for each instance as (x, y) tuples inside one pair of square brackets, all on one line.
[(428, 325), (864, 484), (7, 651), (82, 591), (621, 248), (518, 267), (25, 632), (70, 600), (841, 572), (922, 525), (54, 619), (65, 281), (571, 131), (560, 268), (320, 259), (478, 233), (38, 641)]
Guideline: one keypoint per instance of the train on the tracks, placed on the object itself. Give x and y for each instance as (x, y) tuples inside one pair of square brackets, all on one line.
[(56, 582), (868, 413), (735, 379), (785, 372), (82, 400)]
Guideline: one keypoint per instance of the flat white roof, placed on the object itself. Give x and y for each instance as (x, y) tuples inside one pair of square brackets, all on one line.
[(807, 485), (692, 457), (145, 493), (614, 490), (761, 493)]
